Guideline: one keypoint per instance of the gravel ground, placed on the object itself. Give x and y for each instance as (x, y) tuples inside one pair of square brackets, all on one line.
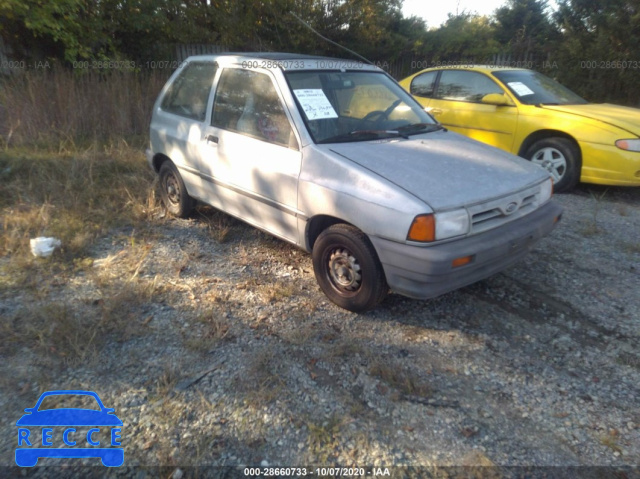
[(233, 356)]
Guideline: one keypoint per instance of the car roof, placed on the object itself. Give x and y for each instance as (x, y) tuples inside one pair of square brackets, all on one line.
[(285, 61), (475, 68)]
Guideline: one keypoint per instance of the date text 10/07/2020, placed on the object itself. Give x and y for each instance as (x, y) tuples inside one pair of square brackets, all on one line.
[(318, 471)]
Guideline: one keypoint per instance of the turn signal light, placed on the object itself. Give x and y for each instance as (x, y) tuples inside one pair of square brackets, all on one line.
[(423, 228), (461, 261)]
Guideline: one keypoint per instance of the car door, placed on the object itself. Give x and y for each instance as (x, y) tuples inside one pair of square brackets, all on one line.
[(179, 120), (457, 104), (250, 153)]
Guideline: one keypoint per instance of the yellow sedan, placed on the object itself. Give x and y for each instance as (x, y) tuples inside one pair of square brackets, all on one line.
[(531, 115)]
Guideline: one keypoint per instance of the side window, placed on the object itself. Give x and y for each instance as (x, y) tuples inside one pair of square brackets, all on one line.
[(189, 92), (246, 102), (459, 85), (423, 85)]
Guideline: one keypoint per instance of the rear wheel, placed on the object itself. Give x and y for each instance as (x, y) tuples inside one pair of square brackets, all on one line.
[(560, 157), (173, 192), (347, 268)]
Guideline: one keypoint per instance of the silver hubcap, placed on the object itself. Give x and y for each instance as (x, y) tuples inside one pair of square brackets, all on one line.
[(344, 270), (173, 189), (551, 160)]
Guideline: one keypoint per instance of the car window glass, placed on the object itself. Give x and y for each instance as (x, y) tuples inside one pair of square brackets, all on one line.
[(423, 84), (465, 86), (532, 88), (76, 401), (247, 102), (189, 93)]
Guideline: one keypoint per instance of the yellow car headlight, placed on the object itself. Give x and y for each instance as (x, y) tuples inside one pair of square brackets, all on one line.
[(629, 145)]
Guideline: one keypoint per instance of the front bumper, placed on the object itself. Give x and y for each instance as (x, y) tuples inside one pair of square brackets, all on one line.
[(609, 165), (424, 272)]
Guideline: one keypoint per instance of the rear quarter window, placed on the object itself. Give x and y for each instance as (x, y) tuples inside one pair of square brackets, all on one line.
[(189, 92)]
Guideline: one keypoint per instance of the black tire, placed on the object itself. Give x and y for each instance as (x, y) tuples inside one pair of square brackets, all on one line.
[(173, 192), (347, 268), (561, 158)]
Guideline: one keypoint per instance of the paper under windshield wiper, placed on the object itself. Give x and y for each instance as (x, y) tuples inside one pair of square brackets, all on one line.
[(353, 135)]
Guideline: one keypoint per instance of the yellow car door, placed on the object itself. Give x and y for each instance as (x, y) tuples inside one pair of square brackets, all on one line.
[(474, 105)]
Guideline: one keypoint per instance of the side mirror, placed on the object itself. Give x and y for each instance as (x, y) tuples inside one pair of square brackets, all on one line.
[(497, 99)]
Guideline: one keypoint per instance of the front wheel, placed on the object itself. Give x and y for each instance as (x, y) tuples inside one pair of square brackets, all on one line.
[(560, 157), (347, 268)]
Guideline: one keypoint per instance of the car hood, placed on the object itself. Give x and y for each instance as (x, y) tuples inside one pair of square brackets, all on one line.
[(444, 169), (69, 417), (620, 116)]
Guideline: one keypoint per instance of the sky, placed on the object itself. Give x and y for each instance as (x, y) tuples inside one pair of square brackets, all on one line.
[(435, 12)]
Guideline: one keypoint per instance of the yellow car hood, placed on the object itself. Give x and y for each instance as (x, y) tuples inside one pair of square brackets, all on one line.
[(622, 117)]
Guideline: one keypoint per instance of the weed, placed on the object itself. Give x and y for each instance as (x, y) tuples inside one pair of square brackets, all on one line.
[(167, 381), (218, 224), (592, 228), (262, 380), (58, 330), (346, 348), (216, 328), (323, 439), (276, 291), (75, 198), (404, 381), (630, 247), (59, 107), (611, 440)]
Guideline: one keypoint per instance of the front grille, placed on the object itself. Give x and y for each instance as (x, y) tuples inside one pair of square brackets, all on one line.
[(494, 213)]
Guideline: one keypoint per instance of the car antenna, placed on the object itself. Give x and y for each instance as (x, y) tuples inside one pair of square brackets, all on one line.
[(327, 40)]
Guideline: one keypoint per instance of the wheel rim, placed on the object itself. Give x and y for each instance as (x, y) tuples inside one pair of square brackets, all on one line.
[(552, 160), (343, 271), (172, 187)]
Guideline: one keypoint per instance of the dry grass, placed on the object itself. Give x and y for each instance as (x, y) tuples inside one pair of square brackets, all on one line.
[(402, 380), (75, 197), (262, 379), (214, 329), (611, 440), (78, 196), (324, 439), (63, 107)]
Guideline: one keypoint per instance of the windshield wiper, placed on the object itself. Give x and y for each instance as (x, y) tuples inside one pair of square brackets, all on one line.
[(417, 128), (353, 135)]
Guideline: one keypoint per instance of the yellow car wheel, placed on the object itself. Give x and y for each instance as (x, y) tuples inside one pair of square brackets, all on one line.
[(560, 157)]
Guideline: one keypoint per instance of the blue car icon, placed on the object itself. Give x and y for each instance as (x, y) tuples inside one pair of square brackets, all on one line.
[(38, 428)]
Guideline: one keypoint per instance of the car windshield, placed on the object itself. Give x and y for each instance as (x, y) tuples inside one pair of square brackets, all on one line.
[(74, 401), (533, 88), (356, 106)]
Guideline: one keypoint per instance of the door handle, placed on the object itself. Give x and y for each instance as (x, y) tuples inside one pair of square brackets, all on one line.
[(212, 139), (435, 111)]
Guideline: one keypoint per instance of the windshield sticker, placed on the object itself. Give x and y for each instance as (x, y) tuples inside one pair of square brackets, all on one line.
[(520, 88), (315, 104)]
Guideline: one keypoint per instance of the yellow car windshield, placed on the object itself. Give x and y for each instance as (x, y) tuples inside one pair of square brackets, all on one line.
[(533, 88)]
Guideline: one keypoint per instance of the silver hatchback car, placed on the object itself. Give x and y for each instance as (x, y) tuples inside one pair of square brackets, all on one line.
[(335, 157)]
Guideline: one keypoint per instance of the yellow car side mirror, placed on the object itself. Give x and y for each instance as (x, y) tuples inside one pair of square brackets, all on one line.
[(497, 99)]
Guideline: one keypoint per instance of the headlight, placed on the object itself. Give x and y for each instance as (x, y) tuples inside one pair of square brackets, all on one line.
[(546, 191), (439, 226), (629, 145)]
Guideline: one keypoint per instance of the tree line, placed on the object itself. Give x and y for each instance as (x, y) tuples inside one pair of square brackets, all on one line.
[(592, 47)]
